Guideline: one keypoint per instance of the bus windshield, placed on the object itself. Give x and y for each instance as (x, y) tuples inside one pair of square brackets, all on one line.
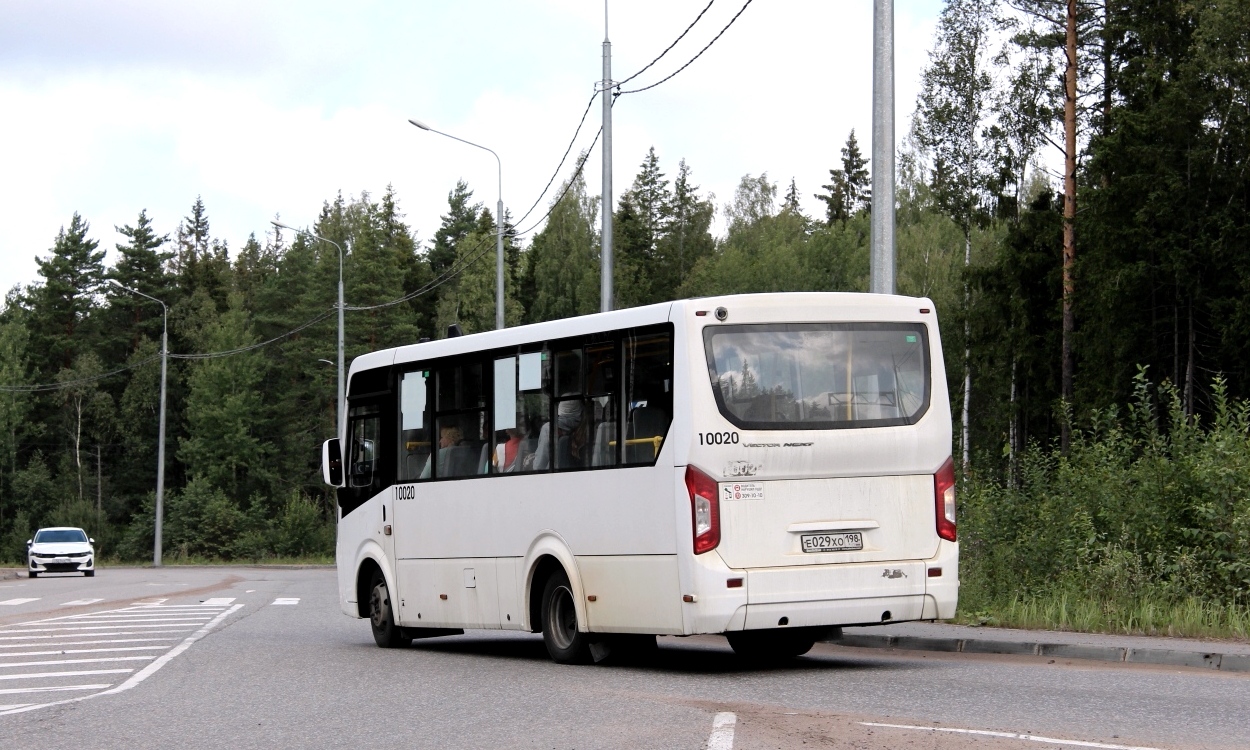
[(804, 376)]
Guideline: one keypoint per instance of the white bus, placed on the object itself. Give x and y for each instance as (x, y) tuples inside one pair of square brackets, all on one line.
[(768, 467)]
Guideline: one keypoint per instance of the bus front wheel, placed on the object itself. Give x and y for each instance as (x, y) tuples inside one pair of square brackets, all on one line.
[(381, 617), (565, 643)]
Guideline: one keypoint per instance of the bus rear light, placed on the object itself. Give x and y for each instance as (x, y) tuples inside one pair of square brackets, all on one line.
[(944, 497), (704, 509), (733, 583)]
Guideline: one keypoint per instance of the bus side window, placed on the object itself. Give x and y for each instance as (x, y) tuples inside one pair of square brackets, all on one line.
[(414, 426), (649, 395)]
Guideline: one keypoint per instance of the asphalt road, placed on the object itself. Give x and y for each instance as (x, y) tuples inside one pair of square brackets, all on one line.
[(262, 658)]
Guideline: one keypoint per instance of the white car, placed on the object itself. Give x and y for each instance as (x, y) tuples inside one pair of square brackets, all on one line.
[(61, 549)]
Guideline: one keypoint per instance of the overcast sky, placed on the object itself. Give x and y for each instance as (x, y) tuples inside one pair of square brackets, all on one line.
[(271, 108)]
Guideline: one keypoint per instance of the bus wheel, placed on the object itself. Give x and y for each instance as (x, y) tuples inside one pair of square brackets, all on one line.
[(381, 618), (559, 617), (771, 645)]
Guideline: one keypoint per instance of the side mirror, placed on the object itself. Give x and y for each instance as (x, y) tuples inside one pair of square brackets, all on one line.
[(90, 540), (28, 542), (332, 462)]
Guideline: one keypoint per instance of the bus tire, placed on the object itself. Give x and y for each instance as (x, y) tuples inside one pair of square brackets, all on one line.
[(565, 643), (381, 617), (771, 645)]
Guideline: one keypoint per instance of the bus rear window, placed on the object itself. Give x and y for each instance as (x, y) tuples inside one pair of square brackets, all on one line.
[(804, 376)]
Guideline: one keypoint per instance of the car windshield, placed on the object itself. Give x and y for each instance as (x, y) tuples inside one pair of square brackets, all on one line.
[(53, 536), (794, 376)]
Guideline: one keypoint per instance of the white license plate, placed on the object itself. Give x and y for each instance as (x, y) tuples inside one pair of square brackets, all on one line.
[(840, 542)]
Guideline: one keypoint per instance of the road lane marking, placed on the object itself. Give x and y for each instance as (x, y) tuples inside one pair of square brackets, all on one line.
[(224, 602), (15, 602), (142, 674), (1012, 736), (84, 651), (144, 602), (76, 673), (80, 635), (14, 705), (722, 731), (53, 663), (287, 601), (80, 602), (127, 622), (56, 689)]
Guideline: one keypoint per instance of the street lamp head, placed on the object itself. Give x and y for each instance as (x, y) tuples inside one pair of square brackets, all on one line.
[(280, 225), (420, 124)]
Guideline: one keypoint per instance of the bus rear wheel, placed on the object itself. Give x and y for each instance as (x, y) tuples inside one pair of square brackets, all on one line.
[(382, 618), (771, 645), (565, 643)]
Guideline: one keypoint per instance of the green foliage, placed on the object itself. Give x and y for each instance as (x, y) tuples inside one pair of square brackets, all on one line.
[(1145, 508)]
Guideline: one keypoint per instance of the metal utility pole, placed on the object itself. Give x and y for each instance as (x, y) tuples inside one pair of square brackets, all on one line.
[(160, 439), (605, 259), (882, 258)]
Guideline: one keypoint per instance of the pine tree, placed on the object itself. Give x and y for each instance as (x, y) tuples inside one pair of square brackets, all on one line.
[(563, 259), (64, 302)]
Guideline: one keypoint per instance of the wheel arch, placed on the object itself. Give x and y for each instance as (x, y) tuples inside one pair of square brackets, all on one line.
[(371, 560), (548, 554)]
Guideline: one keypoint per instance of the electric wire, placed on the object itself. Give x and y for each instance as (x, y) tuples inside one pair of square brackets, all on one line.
[(47, 387), (258, 345), (560, 166), (669, 47), (691, 60)]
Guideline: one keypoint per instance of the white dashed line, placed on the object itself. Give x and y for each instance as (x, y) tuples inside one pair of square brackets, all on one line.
[(17, 664), (80, 602), (1011, 735), (286, 601), (722, 731), (15, 602)]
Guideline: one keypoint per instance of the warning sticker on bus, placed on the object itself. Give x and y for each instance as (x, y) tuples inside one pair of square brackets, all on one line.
[(742, 490)]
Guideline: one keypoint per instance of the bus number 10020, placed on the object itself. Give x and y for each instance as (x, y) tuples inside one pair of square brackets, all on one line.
[(718, 438)]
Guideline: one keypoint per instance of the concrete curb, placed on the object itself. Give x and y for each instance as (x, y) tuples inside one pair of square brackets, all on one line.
[(10, 573), (1164, 657)]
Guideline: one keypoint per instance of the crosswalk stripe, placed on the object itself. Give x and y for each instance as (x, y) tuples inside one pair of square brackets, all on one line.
[(13, 705), (286, 601), (185, 619), (55, 689), (80, 602), (223, 602), (50, 663), (85, 651), (169, 626), (75, 673), (80, 635), (15, 602)]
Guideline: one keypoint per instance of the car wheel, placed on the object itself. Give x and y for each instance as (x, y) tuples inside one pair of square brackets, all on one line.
[(33, 574), (565, 644), (89, 573), (382, 618), (771, 645)]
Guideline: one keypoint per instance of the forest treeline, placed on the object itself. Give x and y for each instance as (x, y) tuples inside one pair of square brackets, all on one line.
[(1150, 264)]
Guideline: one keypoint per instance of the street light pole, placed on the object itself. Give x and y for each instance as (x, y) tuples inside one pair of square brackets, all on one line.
[(160, 439), (339, 406), (499, 324)]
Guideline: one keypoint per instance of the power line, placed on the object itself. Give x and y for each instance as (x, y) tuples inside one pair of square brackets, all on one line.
[(250, 347), (562, 158), (567, 185), (691, 60), (669, 47), (47, 387)]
